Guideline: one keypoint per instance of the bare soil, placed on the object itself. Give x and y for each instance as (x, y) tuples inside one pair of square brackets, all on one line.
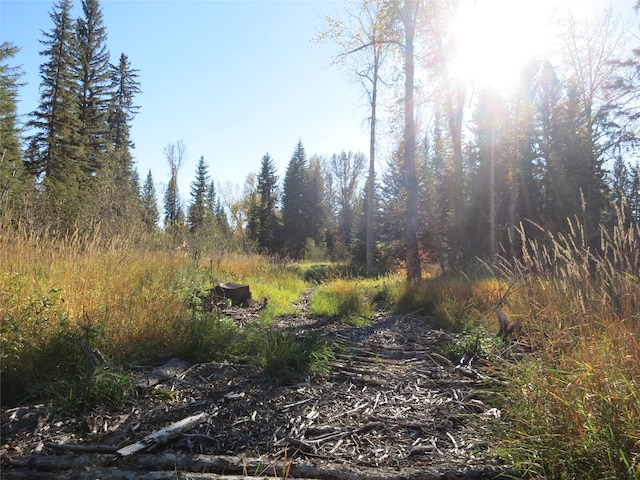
[(391, 407)]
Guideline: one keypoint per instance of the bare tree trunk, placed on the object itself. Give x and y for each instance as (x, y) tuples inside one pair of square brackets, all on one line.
[(371, 181), (455, 107), (492, 193), (414, 272)]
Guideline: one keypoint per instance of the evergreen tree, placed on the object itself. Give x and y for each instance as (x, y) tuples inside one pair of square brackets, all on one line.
[(314, 203), (117, 179), (12, 172), (295, 203), (122, 110), (393, 204), (222, 222), (149, 202), (94, 74), (202, 203), (266, 225), (56, 148), (211, 204)]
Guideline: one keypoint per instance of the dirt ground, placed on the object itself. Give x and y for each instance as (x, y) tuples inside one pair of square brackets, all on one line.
[(391, 407)]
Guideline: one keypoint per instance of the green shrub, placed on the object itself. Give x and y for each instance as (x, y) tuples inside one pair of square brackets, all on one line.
[(285, 357), (108, 387)]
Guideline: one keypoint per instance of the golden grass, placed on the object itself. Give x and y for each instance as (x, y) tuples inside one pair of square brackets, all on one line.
[(574, 402)]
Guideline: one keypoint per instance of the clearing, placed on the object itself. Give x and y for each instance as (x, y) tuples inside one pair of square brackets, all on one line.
[(391, 407)]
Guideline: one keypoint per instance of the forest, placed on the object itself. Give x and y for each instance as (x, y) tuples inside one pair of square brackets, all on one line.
[(499, 210), (479, 165)]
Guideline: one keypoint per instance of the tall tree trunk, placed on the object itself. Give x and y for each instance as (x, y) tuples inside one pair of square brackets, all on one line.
[(371, 181), (414, 272), (492, 192), (455, 111)]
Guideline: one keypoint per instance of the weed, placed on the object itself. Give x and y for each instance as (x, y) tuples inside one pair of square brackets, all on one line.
[(285, 357), (207, 337), (98, 386), (478, 342)]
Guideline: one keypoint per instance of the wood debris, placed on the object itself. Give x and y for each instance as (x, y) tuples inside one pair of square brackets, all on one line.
[(391, 407)]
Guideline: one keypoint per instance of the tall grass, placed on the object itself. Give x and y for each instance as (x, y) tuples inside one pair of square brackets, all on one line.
[(574, 402), (133, 300), (454, 302), (58, 296)]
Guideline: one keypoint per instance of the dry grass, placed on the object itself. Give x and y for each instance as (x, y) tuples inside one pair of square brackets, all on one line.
[(132, 301), (574, 402)]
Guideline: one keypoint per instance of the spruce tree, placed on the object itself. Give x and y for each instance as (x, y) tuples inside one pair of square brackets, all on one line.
[(211, 204), (148, 199), (117, 176), (266, 219), (200, 208), (347, 170), (314, 203), (122, 110), (94, 74), (56, 148), (295, 203), (12, 172)]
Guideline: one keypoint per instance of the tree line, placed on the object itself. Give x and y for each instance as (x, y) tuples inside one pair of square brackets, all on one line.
[(470, 168)]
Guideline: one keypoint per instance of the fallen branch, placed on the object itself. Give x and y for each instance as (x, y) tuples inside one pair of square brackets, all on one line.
[(68, 447), (163, 435)]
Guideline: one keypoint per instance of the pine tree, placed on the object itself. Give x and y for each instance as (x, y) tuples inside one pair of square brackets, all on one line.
[(202, 205), (12, 172), (295, 203), (122, 110), (266, 224), (314, 202), (56, 149), (94, 73), (148, 199)]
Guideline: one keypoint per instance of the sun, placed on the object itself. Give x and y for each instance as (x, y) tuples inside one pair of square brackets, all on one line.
[(497, 38)]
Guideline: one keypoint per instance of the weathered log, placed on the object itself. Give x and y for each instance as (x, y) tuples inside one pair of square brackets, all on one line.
[(164, 434), (121, 474), (67, 447), (155, 467), (117, 474)]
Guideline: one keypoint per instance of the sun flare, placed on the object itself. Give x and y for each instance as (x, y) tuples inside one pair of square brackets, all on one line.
[(497, 38)]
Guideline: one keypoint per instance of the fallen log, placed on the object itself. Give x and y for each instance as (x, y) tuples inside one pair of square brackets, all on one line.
[(120, 474), (155, 466), (68, 447), (163, 435)]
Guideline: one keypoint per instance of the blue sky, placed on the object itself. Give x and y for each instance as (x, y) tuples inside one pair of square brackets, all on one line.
[(237, 79), (232, 79)]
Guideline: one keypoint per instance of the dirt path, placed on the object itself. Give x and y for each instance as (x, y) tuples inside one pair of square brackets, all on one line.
[(390, 408)]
